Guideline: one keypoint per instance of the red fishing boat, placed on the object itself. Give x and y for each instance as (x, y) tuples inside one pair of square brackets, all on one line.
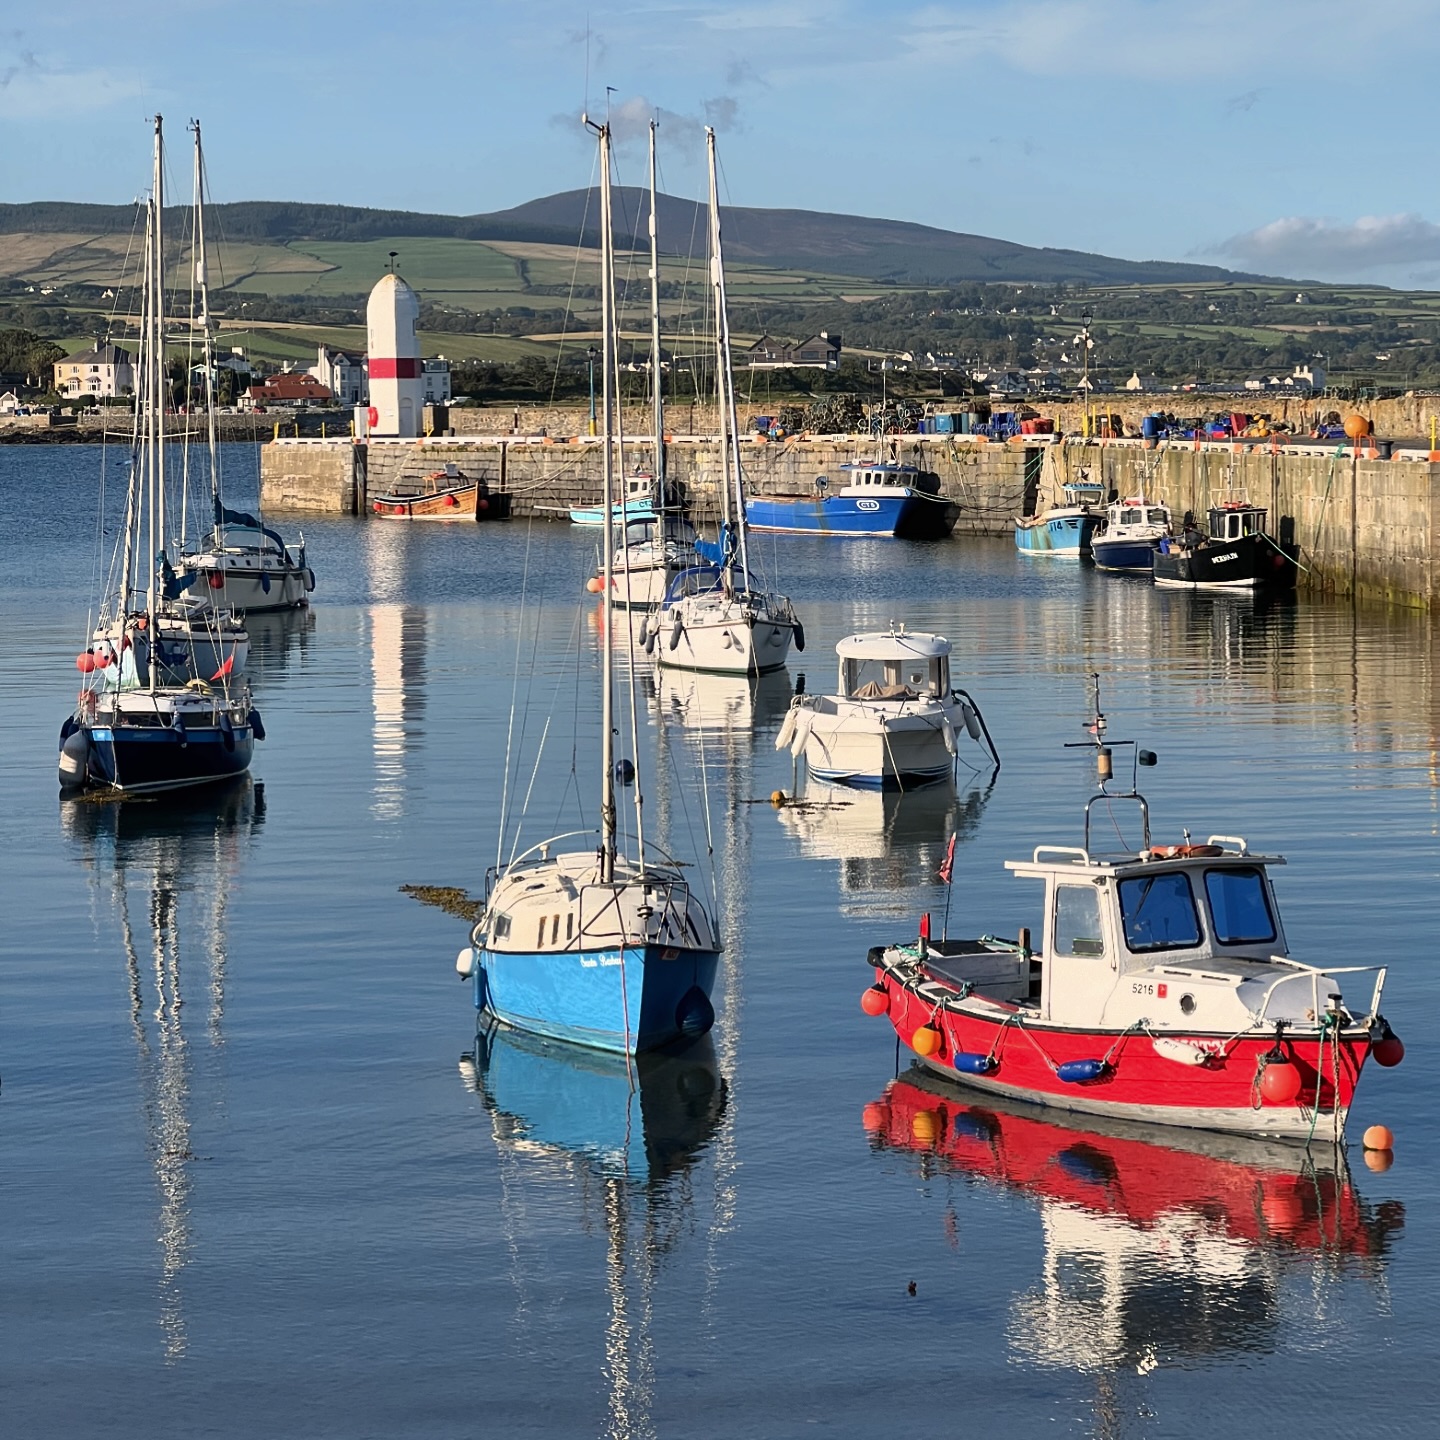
[(1162, 990), (448, 495)]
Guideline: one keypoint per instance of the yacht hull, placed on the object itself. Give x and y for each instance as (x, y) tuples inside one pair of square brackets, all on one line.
[(143, 759), (623, 999), (250, 584)]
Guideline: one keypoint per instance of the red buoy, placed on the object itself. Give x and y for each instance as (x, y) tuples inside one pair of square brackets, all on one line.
[(875, 1000), (1280, 1082), (875, 1117), (217, 580), (85, 662), (1388, 1052)]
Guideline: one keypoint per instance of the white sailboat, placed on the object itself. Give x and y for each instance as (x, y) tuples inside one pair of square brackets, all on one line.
[(656, 546), (130, 731), (242, 564), (187, 638), (717, 616), (584, 943)]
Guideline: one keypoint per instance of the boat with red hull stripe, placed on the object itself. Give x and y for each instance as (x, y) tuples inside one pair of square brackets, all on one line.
[(1162, 989)]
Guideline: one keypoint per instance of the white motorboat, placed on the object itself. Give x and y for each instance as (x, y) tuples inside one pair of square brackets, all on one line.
[(896, 721), (1132, 530)]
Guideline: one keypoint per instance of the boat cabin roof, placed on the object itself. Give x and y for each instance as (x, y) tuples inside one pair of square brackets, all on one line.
[(893, 645), (1064, 860)]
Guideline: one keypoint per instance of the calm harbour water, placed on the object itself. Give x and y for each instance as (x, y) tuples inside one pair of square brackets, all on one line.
[(247, 1189)]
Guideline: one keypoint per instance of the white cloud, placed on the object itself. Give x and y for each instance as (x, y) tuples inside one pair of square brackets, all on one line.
[(1330, 249)]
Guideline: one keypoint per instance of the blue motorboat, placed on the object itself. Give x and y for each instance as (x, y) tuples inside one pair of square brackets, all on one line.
[(1132, 530), (638, 505), (1064, 530), (873, 500)]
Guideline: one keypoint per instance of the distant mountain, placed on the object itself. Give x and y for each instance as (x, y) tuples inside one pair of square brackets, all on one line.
[(869, 249)]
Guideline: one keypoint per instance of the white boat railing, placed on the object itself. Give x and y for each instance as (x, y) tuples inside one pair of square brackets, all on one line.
[(1316, 975)]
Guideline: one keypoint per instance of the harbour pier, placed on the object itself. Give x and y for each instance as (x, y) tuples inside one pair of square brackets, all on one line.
[(1368, 527)]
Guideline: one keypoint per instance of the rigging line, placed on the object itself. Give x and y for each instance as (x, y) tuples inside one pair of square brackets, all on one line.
[(514, 691), (574, 276)]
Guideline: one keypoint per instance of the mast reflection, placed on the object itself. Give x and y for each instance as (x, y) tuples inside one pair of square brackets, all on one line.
[(165, 867), (626, 1136), (1158, 1248)]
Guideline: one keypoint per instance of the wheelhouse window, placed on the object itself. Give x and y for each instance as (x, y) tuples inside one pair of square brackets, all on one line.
[(1158, 912), (1077, 921), (1239, 907)]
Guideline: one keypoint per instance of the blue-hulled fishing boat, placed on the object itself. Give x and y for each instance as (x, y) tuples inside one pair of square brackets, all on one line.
[(1132, 530), (578, 941), (1063, 530), (874, 500)]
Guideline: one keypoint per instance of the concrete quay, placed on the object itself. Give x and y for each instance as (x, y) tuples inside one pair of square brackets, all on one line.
[(1368, 527)]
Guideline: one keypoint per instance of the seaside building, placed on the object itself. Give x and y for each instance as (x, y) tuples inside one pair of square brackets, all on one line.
[(101, 370), (290, 389)]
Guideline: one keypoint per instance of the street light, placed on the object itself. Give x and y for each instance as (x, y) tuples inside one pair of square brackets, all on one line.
[(590, 362), (1085, 318)]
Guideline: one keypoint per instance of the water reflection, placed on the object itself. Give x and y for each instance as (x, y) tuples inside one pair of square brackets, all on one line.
[(624, 1139), (1158, 1247), (731, 704), (276, 637), (164, 869), (398, 635), (886, 842)]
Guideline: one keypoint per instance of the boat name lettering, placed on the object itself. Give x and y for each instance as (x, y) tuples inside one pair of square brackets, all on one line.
[(867, 504), (1233, 555)]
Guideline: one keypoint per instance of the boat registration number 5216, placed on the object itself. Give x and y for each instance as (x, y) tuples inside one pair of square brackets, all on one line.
[(1148, 987)]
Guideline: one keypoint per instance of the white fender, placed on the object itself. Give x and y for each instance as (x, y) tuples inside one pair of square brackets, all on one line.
[(804, 723), (1182, 1052), (972, 721), (948, 731), (787, 729)]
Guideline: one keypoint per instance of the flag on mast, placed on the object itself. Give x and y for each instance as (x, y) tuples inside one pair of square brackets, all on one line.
[(948, 867)]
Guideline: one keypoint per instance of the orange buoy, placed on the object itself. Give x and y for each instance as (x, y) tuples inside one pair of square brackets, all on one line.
[(1388, 1052), (1379, 1160), (85, 662), (594, 586), (1378, 1137), (1357, 427), (875, 1000), (926, 1040), (926, 1126), (777, 798), (1280, 1082), (875, 1117)]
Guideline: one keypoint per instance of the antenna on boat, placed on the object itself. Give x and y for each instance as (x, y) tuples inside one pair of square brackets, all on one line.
[(1104, 749)]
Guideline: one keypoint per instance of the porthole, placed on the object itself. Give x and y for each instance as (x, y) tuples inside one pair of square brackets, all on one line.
[(1187, 1004)]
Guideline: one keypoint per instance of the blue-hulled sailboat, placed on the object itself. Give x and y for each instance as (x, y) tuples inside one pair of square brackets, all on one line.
[(580, 942)]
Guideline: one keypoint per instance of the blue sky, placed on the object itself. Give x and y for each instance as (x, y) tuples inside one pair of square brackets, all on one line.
[(1288, 139)]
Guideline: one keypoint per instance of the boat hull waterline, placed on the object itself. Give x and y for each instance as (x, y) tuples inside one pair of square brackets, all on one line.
[(1250, 562), (1066, 534), (904, 516)]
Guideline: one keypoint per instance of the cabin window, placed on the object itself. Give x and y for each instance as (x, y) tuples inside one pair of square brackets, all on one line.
[(1157, 517), (1130, 517), (500, 927), (1239, 907), (1077, 921), (1159, 912)]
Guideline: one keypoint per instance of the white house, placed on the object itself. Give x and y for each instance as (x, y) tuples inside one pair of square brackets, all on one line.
[(9, 403), (436, 375), (346, 379), (100, 370)]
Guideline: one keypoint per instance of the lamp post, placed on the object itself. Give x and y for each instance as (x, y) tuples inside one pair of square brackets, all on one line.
[(590, 362), (1085, 318)]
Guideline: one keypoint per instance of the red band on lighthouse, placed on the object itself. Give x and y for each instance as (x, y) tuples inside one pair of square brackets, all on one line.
[(403, 369)]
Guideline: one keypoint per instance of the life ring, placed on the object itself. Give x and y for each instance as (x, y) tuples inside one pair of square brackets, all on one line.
[(1184, 852)]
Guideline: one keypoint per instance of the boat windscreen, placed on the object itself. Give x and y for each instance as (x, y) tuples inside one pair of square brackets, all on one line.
[(1159, 912), (1239, 908)]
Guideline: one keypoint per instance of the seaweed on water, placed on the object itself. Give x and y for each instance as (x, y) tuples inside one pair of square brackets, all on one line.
[(449, 898)]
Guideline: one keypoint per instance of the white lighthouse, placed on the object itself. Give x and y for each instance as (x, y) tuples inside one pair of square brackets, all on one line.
[(397, 386)]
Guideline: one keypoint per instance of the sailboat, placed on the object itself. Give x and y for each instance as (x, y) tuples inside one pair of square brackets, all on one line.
[(242, 564), (715, 616), (131, 731), (590, 945), (187, 638), (659, 545)]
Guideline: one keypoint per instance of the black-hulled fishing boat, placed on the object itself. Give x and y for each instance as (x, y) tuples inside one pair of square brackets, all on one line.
[(1238, 553)]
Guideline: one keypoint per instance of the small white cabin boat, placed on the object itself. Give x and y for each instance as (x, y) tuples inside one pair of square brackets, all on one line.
[(896, 719)]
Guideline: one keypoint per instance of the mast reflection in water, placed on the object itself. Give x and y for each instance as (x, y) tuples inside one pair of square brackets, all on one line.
[(163, 867), (1158, 1248), (626, 1138)]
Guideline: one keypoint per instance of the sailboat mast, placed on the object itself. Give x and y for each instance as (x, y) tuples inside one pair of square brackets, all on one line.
[(729, 420), (207, 339), (158, 529), (657, 393), (608, 387)]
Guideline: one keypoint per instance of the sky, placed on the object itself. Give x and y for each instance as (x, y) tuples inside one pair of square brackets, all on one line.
[(1287, 139)]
